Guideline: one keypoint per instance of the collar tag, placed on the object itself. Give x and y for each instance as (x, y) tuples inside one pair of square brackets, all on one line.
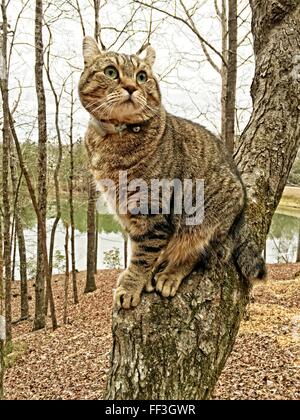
[(136, 129)]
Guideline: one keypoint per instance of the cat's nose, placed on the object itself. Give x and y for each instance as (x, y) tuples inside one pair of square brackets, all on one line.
[(130, 89)]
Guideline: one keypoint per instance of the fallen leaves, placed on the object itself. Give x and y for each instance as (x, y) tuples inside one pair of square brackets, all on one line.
[(72, 362)]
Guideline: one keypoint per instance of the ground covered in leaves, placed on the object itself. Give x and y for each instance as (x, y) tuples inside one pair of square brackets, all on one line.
[(72, 362)]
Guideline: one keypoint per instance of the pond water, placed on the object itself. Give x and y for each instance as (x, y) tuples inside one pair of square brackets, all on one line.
[(283, 239), (281, 247)]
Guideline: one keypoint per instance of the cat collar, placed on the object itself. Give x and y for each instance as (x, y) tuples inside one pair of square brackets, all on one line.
[(104, 127)]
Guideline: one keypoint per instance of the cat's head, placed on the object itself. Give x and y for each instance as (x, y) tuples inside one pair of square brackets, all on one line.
[(119, 87)]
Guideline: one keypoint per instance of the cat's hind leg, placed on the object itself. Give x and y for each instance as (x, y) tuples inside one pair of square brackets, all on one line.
[(169, 280), (179, 259)]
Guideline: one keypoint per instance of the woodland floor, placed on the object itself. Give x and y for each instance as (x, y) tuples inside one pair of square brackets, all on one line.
[(72, 363)]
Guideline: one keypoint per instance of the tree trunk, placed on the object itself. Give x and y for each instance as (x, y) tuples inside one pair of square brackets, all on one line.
[(224, 69), (67, 276), (57, 100), (298, 248), (2, 318), (231, 75), (1, 271), (43, 271), (2, 352), (176, 349), (96, 242), (125, 237), (71, 203), (5, 171), (91, 260), (90, 278), (39, 320), (21, 239)]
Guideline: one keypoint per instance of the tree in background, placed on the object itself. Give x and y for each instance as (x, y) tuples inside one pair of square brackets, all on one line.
[(5, 168), (71, 196), (231, 77), (39, 318), (2, 317), (16, 184), (43, 270), (91, 240)]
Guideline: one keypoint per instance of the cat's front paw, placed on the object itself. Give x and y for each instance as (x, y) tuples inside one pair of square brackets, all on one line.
[(127, 294), (168, 283), (127, 298)]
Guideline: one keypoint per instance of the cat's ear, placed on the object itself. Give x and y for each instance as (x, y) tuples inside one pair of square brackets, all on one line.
[(90, 50), (148, 54)]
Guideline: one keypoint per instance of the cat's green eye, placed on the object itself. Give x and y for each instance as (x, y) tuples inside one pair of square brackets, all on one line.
[(111, 72), (142, 77)]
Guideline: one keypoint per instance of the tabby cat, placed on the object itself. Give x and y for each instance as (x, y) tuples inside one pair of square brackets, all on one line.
[(131, 131)]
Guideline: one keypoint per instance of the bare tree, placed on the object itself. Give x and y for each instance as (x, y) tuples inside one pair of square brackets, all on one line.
[(92, 196), (177, 349), (298, 247), (57, 101), (39, 319), (96, 241), (125, 237), (67, 276), (5, 168), (91, 226), (16, 184), (43, 270), (2, 317), (231, 77), (71, 200)]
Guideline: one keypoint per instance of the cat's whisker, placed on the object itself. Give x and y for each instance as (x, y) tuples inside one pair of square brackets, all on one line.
[(101, 102), (106, 103), (92, 104)]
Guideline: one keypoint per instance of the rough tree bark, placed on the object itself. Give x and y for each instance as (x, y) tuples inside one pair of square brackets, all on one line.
[(298, 248), (43, 271), (231, 75), (2, 317), (57, 101), (39, 319), (96, 241), (5, 169), (176, 349), (125, 237), (67, 276), (91, 214), (91, 242), (224, 67), (71, 202), (16, 183)]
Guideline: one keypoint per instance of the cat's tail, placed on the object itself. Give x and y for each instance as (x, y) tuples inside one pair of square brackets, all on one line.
[(249, 261), (246, 253)]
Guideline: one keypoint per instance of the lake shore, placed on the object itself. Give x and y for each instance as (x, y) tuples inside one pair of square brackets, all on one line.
[(290, 198)]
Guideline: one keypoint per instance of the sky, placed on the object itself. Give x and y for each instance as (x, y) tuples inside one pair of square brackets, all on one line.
[(190, 86)]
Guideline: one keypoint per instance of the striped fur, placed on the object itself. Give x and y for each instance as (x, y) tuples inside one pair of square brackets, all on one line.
[(164, 249)]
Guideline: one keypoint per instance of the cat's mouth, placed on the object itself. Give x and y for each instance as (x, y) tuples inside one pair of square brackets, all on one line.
[(128, 104), (128, 100), (124, 109)]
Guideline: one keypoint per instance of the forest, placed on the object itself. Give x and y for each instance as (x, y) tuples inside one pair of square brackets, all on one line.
[(231, 65)]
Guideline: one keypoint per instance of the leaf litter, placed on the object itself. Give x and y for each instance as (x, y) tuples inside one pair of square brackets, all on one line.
[(72, 363)]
